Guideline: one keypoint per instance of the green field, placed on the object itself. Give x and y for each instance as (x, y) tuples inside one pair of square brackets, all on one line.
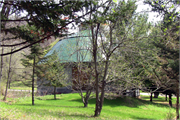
[(69, 106), (18, 85), (160, 99)]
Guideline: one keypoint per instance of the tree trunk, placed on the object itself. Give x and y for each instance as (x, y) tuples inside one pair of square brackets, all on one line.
[(103, 85), (166, 97), (177, 101), (1, 64), (9, 84), (102, 97), (8, 76), (97, 112), (86, 102), (55, 92), (97, 90), (170, 99), (156, 94), (4, 11), (88, 93), (151, 97), (33, 80), (134, 93), (10, 79)]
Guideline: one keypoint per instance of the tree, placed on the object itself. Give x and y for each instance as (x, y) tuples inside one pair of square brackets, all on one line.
[(53, 72), (167, 40), (8, 78), (117, 34), (5, 11), (84, 75), (49, 17), (32, 61), (84, 81)]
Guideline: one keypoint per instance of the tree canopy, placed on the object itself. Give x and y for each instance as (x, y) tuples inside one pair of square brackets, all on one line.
[(49, 18)]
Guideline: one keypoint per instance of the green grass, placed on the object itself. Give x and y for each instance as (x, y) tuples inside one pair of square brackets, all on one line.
[(22, 88), (69, 106), (18, 85), (142, 91), (160, 99)]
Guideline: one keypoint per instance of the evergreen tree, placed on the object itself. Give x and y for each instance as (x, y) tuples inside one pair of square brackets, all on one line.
[(167, 40), (51, 18), (53, 72), (31, 61)]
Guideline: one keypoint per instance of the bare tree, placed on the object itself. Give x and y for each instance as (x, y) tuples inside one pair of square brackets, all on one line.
[(8, 78), (5, 12)]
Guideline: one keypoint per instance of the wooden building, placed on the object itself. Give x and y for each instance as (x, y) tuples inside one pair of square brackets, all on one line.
[(73, 50)]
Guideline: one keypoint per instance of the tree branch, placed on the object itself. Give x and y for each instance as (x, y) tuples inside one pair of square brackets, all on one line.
[(14, 44), (15, 20), (46, 36)]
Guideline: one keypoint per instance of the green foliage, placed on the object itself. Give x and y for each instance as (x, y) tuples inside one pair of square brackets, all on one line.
[(53, 71), (165, 39), (115, 1), (124, 44), (46, 14), (36, 52), (45, 18), (168, 44)]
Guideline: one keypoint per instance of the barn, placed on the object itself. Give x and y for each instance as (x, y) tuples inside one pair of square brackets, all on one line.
[(71, 50)]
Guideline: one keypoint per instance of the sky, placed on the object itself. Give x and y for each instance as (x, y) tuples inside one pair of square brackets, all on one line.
[(146, 8)]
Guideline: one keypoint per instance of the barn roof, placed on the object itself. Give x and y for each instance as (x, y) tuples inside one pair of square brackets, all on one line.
[(74, 48)]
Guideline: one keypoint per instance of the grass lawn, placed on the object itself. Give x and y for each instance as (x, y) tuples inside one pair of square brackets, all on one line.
[(69, 106), (22, 88), (18, 85), (160, 99)]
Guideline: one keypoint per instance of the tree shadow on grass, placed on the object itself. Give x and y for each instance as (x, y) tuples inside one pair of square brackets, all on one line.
[(154, 99), (159, 101), (48, 99), (123, 101), (119, 101)]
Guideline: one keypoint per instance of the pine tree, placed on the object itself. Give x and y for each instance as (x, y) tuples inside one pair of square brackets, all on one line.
[(167, 40), (53, 72), (51, 18), (32, 61)]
